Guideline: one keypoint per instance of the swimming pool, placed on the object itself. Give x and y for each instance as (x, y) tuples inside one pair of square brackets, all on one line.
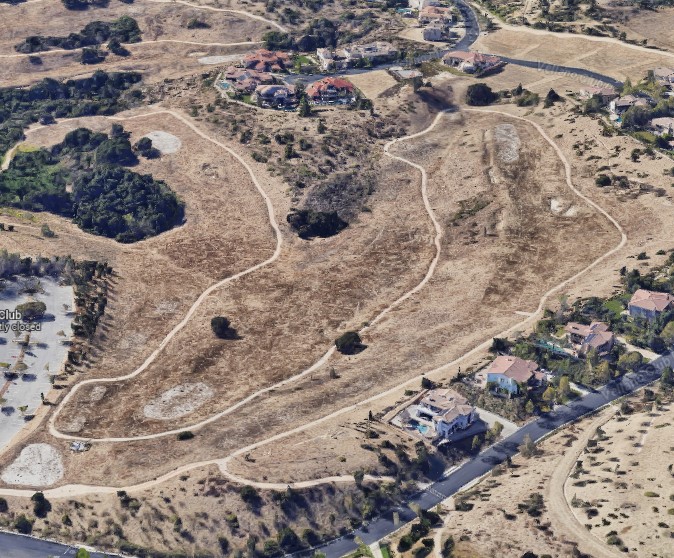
[(422, 428)]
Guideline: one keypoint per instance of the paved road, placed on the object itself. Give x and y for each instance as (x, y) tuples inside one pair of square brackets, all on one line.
[(487, 460), (17, 546), (569, 70)]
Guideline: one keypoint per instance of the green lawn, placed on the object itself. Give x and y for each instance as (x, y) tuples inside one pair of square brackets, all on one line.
[(615, 306), (385, 550)]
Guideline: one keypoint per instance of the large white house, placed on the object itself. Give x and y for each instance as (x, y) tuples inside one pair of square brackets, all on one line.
[(443, 412)]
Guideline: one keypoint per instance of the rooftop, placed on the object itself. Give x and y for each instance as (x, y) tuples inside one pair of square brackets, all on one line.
[(513, 367), (651, 300)]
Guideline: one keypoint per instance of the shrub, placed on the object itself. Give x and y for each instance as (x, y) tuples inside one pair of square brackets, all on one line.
[(349, 343), (3, 505), (249, 494), (603, 180), (405, 543), (480, 94), (309, 223), (92, 56), (33, 310), (185, 435), (41, 506), (288, 540), (46, 231), (196, 23), (222, 329), (23, 525)]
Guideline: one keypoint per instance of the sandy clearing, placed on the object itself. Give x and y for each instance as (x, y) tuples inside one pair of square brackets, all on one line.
[(507, 142), (165, 142), (372, 84), (210, 60), (37, 465), (178, 401)]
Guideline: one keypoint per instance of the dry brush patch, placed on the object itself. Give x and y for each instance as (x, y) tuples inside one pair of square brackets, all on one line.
[(193, 513), (500, 239), (156, 21), (611, 59), (621, 487), (158, 279)]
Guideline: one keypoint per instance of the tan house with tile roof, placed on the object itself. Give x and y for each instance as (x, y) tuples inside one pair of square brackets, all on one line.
[(649, 304), (508, 372), (595, 336)]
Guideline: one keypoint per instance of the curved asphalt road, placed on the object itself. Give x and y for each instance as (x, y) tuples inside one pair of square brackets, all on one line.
[(488, 459), (18, 546)]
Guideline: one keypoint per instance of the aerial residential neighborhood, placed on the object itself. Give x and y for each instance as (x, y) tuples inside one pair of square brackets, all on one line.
[(354, 279)]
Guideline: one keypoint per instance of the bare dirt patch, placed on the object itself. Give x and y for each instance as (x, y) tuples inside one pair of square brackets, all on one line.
[(165, 142), (178, 401), (36, 465)]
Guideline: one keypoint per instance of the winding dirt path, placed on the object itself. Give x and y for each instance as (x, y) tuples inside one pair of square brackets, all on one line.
[(70, 490), (429, 273), (129, 45), (558, 505), (229, 10), (197, 6), (150, 359), (564, 35)]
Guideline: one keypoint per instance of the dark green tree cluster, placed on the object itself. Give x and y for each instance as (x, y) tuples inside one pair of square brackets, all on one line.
[(84, 4), (123, 30), (309, 223), (124, 205), (349, 343), (102, 93), (480, 94), (106, 199)]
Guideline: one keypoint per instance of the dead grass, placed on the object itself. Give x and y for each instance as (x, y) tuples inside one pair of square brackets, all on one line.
[(611, 59), (158, 21), (372, 84), (623, 484)]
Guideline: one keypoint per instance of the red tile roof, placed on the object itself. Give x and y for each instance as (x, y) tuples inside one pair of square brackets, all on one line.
[(320, 87)]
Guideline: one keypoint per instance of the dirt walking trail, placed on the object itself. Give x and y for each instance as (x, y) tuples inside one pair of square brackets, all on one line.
[(564, 35), (558, 506), (429, 273), (132, 46), (195, 305), (200, 7), (70, 490)]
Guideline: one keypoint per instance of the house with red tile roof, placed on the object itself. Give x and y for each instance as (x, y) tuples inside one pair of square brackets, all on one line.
[(264, 60), (507, 373), (331, 90), (649, 304), (595, 336)]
